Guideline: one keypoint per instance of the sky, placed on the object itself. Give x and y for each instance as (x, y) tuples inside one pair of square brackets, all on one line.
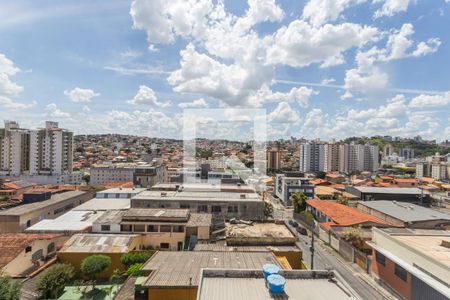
[(325, 69)]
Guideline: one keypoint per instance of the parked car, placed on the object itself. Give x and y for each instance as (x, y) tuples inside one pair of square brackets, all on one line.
[(302, 230), (294, 224)]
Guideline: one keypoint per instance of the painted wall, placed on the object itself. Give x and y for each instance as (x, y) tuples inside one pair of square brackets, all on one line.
[(172, 293)]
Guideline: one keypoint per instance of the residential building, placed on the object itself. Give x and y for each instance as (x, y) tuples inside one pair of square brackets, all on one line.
[(101, 174), (14, 149), (413, 263), (23, 253), (161, 229), (355, 157), (312, 157), (51, 150), (176, 275), (234, 202), (292, 182), (405, 214), (19, 218), (119, 193), (148, 176), (407, 153), (368, 193), (331, 157), (274, 158), (388, 150), (224, 284)]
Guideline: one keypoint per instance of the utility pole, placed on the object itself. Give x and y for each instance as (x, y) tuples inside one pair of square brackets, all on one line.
[(311, 249)]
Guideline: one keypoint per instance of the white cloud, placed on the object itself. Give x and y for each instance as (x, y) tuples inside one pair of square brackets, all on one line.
[(54, 112), (81, 95), (198, 103), (260, 11), (300, 94), (319, 12), (391, 7), (423, 101), (346, 95), (327, 81), (130, 54), (299, 44), (8, 103), (314, 118), (146, 96), (283, 113), (86, 109)]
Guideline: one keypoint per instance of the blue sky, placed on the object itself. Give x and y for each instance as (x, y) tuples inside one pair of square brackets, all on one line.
[(321, 68)]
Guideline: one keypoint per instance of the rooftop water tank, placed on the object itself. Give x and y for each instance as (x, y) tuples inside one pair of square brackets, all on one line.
[(276, 283), (269, 269)]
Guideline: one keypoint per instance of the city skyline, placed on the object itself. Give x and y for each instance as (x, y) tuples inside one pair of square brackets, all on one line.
[(370, 77)]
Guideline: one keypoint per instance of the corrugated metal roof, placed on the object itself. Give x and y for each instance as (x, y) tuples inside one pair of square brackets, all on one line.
[(405, 212), (99, 243), (224, 248), (104, 204), (196, 220), (251, 285), (386, 190), (182, 268)]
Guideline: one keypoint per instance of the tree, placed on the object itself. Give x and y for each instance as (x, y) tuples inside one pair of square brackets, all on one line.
[(321, 175), (135, 270), (92, 265), (9, 290), (132, 258), (299, 201), (52, 283), (268, 209), (86, 178)]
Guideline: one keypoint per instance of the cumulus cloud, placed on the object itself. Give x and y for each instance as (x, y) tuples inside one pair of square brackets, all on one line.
[(146, 96), (391, 7), (319, 12), (81, 95), (54, 112), (423, 101), (300, 44), (283, 113), (8, 88), (198, 103)]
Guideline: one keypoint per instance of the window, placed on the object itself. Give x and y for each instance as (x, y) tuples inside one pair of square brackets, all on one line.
[(28, 249), (125, 227), (152, 228), (164, 246), (400, 272), (216, 209), (51, 248), (202, 208), (165, 228), (178, 228), (185, 206), (139, 228), (381, 259), (233, 209), (106, 227)]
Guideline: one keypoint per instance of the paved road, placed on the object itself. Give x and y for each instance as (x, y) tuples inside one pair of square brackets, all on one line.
[(326, 258)]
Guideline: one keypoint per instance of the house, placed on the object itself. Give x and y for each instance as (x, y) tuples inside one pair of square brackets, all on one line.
[(22, 253), (165, 229), (405, 182), (176, 275), (405, 214), (330, 214), (414, 263), (292, 182), (82, 245), (225, 284)]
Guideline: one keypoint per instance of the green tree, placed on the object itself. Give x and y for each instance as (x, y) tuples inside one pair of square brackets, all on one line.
[(268, 209), (299, 201), (132, 258), (86, 178), (135, 270), (9, 290), (92, 265), (52, 283), (321, 175)]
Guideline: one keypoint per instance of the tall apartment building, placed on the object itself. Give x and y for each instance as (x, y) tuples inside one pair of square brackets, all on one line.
[(312, 157), (407, 153), (331, 157), (51, 150), (14, 149), (274, 158), (355, 157)]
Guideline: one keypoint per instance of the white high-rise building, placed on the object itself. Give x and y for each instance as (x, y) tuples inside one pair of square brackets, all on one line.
[(51, 150), (355, 157), (14, 149)]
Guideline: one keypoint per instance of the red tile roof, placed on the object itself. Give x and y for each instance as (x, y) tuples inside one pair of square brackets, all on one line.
[(342, 215), (405, 180), (12, 244)]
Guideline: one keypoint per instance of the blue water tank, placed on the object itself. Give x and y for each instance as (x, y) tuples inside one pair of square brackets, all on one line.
[(269, 269), (276, 283)]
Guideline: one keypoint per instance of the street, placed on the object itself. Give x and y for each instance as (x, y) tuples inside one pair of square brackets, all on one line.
[(326, 258)]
